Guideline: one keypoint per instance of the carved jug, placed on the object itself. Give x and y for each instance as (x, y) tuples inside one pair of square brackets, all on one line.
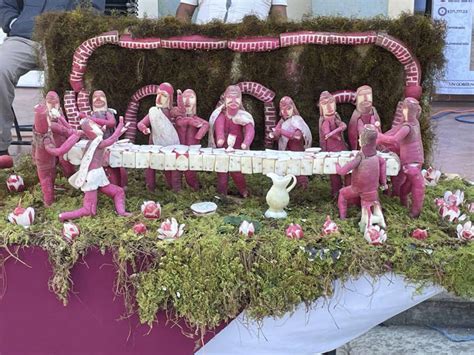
[(278, 196)]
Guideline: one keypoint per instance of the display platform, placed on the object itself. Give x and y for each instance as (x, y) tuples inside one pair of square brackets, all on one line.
[(33, 321), (32, 318)]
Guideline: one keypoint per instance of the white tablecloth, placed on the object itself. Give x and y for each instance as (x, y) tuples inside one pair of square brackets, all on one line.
[(356, 306)]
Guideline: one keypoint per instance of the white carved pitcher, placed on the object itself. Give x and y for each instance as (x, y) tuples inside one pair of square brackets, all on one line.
[(278, 196)]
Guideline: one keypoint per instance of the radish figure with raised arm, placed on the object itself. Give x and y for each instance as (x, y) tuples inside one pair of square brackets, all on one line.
[(408, 136), (105, 117), (91, 177)]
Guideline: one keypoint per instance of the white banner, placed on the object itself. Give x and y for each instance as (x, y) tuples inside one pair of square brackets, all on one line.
[(355, 307), (459, 51)]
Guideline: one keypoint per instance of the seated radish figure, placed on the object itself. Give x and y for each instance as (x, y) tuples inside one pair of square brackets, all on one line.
[(190, 127), (45, 150), (101, 114), (331, 137), (91, 177), (368, 173), (158, 123), (231, 127), (292, 132), (364, 113)]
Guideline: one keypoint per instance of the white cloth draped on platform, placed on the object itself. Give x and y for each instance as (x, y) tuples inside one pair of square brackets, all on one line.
[(355, 307)]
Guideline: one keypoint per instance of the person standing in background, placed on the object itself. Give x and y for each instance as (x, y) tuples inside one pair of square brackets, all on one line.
[(18, 53), (230, 11)]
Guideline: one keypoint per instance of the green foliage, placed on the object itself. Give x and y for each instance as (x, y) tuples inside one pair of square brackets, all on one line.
[(212, 273), (120, 72)]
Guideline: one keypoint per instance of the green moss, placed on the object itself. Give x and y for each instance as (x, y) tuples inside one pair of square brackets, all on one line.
[(211, 274), (120, 72)]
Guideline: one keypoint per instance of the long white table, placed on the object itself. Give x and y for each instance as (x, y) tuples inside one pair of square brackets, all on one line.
[(196, 158)]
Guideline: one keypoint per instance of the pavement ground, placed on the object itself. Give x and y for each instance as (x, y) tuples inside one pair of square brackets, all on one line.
[(401, 340)]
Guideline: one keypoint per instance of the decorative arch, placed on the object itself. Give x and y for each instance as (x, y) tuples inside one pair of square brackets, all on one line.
[(395, 46), (82, 55), (133, 106), (344, 96), (253, 44), (73, 105)]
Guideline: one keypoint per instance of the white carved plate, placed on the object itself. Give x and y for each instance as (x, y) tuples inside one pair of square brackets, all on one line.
[(203, 208)]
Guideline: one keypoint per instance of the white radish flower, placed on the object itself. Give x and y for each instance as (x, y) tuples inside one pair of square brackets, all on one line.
[(70, 232), (465, 232), (170, 230), (431, 176), (247, 229), (375, 235), (22, 216), (15, 183), (329, 226)]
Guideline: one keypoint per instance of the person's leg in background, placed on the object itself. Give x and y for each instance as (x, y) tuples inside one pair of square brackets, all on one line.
[(17, 57)]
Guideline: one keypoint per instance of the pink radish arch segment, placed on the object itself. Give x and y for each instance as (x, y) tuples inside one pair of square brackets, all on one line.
[(133, 106), (255, 44)]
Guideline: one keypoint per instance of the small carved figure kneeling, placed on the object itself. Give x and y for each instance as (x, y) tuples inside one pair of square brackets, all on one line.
[(368, 172)]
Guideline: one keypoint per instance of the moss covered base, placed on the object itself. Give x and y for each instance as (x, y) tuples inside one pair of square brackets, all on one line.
[(212, 273)]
